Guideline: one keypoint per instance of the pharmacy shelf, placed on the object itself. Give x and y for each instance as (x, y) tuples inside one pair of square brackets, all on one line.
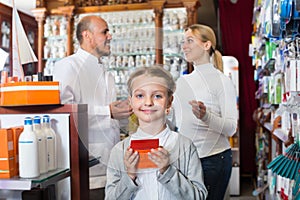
[(17, 183), (268, 126), (77, 151), (93, 161)]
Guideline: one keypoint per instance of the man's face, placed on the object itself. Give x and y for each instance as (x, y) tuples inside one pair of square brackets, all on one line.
[(100, 38)]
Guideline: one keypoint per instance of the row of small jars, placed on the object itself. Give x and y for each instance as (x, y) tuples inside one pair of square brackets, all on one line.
[(129, 17), (116, 62), (121, 76), (171, 44), (177, 67), (140, 32), (5, 30), (55, 49), (122, 92), (174, 18), (126, 32), (121, 66), (134, 47), (55, 26)]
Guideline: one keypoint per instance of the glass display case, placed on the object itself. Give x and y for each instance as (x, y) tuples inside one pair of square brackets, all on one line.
[(55, 36), (70, 125), (144, 32), (31, 30)]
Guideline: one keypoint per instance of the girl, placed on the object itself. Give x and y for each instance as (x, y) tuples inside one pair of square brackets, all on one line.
[(176, 172)]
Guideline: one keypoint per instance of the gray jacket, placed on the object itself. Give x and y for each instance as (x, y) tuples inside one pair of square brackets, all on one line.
[(184, 177)]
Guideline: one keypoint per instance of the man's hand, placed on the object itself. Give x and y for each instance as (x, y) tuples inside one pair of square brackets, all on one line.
[(120, 109)]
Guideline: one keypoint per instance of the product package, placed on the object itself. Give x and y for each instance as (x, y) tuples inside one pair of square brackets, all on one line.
[(29, 93), (7, 160), (143, 147)]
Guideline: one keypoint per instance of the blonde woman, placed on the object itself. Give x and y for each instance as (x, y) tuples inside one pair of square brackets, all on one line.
[(205, 108)]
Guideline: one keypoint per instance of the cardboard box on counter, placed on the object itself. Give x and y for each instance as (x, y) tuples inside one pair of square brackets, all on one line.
[(7, 159), (29, 93)]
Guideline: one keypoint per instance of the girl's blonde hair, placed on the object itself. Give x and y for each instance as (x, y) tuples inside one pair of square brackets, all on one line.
[(153, 71), (205, 33)]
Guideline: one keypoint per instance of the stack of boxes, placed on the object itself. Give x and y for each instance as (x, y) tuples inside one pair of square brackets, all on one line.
[(9, 161)]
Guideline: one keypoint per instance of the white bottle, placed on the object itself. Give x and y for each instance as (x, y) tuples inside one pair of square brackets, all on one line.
[(28, 152), (51, 142), (42, 144)]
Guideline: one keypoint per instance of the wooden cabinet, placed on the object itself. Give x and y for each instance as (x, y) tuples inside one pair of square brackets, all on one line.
[(76, 151), (133, 43), (30, 26), (72, 8)]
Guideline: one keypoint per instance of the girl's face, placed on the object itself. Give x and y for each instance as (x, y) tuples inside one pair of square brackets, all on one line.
[(149, 99), (194, 49)]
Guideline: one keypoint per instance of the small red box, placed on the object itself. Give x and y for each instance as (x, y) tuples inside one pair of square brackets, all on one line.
[(143, 147)]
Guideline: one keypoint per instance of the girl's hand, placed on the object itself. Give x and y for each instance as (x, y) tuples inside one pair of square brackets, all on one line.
[(131, 159), (198, 108), (161, 158)]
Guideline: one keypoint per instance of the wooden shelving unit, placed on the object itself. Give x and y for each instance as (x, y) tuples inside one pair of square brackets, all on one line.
[(71, 8), (78, 153), (31, 28)]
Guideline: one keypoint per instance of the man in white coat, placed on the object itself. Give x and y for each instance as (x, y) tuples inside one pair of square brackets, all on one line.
[(84, 80)]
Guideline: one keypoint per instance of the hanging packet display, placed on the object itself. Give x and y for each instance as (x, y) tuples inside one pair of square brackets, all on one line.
[(275, 18), (285, 13)]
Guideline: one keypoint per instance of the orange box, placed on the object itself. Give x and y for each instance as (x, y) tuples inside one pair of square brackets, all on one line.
[(7, 159), (29, 93), (7, 167), (143, 147), (6, 143), (144, 161), (16, 134)]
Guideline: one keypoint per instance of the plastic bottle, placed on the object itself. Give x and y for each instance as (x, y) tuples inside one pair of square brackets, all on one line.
[(42, 144), (28, 152), (51, 142)]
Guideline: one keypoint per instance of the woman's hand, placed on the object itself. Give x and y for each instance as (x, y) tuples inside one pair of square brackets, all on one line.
[(161, 158), (198, 108), (131, 160)]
